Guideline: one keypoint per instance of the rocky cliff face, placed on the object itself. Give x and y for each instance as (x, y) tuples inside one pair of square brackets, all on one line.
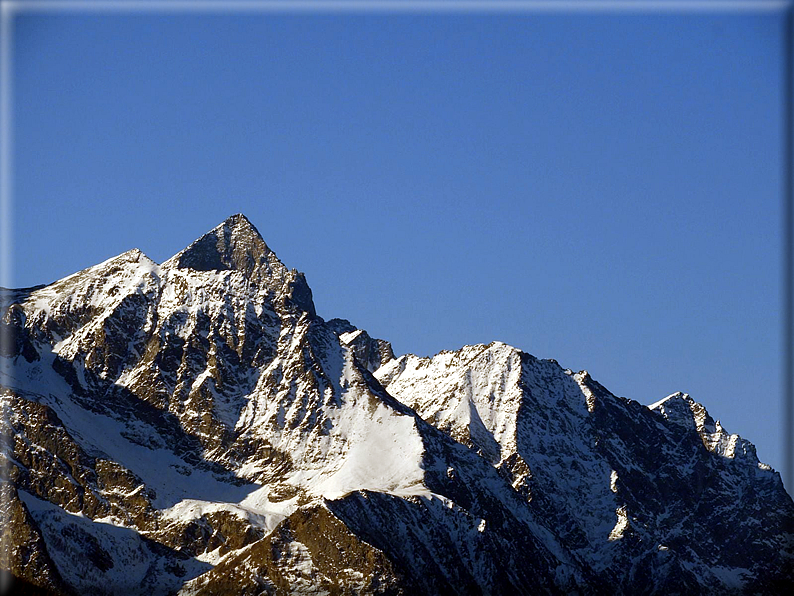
[(195, 427)]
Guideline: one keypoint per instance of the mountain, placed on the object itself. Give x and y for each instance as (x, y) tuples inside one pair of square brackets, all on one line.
[(195, 427)]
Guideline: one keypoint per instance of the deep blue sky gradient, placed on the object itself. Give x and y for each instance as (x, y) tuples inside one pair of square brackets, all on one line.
[(604, 190)]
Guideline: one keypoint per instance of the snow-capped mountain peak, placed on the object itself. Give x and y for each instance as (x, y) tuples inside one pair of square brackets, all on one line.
[(234, 244), (195, 427)]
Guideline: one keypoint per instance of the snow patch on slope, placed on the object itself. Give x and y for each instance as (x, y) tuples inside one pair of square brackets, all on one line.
[(104, 559), (383, 449)]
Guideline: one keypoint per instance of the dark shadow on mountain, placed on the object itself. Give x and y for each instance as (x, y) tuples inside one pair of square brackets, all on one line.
[(445, 551), (11, 585)]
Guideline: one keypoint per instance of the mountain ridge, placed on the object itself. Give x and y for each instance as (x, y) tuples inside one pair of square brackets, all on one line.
[(210, 423)]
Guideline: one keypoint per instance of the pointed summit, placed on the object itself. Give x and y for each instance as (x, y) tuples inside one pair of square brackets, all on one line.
[(235, 244)]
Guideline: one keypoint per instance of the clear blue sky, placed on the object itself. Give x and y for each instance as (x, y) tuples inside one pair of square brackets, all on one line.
[(604, 190)]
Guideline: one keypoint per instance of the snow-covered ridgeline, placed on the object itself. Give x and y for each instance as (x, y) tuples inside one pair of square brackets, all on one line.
[(202, 404)]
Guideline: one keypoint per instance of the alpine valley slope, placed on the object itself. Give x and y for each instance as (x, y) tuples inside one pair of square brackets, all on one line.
[(195, 428)]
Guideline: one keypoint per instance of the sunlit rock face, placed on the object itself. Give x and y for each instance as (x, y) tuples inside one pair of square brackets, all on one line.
[(194, 427)]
